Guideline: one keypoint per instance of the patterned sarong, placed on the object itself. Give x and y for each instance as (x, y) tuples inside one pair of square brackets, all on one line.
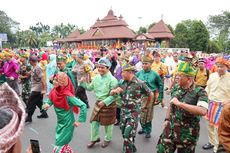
[(214, 111)]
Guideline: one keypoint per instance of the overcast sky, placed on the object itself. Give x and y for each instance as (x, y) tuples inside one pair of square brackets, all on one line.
[(84, 13)]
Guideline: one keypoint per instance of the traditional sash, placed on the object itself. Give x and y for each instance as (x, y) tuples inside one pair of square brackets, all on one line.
[(214, 112)]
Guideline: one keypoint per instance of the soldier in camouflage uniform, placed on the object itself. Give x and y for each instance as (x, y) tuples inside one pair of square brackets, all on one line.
[(188, 103), (131, 90), (24, 76)]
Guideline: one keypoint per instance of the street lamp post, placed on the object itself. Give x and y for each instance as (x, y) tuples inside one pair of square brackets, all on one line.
[(140, 21)]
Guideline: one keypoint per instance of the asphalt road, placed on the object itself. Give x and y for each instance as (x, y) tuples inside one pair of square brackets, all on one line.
[(44, 131)]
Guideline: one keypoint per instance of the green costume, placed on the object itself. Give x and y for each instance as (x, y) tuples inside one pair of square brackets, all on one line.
[(182, 131), (130, 110), (153, 81), (106, 115), (65, 120)]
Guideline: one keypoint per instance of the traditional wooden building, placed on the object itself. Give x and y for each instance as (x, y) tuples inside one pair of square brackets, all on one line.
[(109, 31), (161, 33), (144, 40)]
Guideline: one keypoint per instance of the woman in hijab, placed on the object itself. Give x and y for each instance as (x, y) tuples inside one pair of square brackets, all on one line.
[(65, 105)]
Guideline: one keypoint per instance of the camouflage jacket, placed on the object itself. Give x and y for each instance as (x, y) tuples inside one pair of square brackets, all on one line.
[(193, 96), (131, 96)]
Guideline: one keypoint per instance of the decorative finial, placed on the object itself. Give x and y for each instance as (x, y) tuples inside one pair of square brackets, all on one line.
[(162, 16)]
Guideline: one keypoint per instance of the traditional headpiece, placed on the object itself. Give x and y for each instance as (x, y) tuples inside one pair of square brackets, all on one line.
[(10, 103), (62, 79), (186, 68), (62, 58), (33, 57), (156, 54), (104, 61), (221, 60), (147, 59), (128, 67), (2, 56), (24, 54), (8, 53)]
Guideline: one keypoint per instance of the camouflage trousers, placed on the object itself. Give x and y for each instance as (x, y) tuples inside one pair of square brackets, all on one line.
[(173, 139), (25, 92), (129, 130)]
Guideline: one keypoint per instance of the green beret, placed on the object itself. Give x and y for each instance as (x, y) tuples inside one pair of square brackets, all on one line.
[(128, 67), (146, 59), (186, 68), (61, 58)]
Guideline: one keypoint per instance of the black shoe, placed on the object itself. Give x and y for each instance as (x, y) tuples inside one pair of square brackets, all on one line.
[(43, 115), (141, 132), (88, 106), (28, 119), (92, 143), (148, 135), (134, 149), (208, 146)]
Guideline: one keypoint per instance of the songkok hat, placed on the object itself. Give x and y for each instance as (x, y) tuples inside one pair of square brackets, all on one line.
[(128, 67), (147, 59), (61, 58), (11, 106), (223, 61), (186, 68), (104, 61)]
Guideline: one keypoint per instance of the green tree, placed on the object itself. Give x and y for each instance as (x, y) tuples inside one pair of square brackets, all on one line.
[(8, 26), (40, 28), (61, 31), (219, 23), (45, 36), (31, 39), (171, 29), (181, 36), (213, 46), (198, 36), (141, 30), (151, 25), (192, 34), (219, 26), (81, 30)]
